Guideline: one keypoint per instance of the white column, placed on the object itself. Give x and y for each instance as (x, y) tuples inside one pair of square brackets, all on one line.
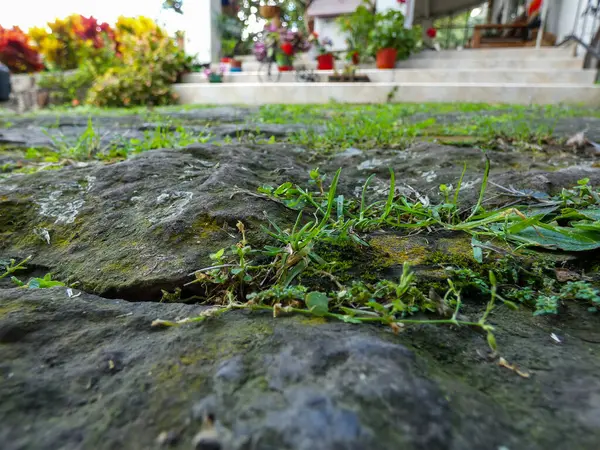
[(544, 16), (410, 14), (201, 34)]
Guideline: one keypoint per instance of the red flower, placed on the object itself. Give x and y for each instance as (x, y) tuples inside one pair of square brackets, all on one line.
[(431, 32), (401, 1), (287, 48)]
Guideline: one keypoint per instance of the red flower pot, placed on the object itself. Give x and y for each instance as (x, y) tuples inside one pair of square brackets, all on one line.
[(386, 58), (285, 68), (325, 62)]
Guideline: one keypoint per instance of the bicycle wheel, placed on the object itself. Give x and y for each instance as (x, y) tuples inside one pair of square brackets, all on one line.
[(268, 72)]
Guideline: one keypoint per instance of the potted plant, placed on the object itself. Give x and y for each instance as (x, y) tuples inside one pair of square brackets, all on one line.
[(269, 11), (348, 76), (215, 76), (285, 57), (353, 56), (230, 30), (357, 27), (325, 59), (389, 41), (235, 65)]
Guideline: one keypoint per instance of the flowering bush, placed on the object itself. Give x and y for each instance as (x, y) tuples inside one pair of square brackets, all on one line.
[(73, 40), (130, 30), (16, 53)]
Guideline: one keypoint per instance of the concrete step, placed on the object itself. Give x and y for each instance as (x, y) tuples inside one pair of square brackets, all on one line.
[(563, 76), (498, 53), (255, 66), (566, 62), (493, 63), (475, 53), (321, 93)]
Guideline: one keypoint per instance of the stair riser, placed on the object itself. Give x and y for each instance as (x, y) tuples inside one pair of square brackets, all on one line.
[(494, 63), (500, 53), (430, 76), (321, 93)]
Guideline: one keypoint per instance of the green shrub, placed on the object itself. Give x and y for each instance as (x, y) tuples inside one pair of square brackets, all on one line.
[(67, 87), (144, 77)]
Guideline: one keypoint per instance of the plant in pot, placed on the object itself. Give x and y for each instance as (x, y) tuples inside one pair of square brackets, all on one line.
[(230, 29), (270, 10), (215, 76), (357, 27), (389, 41), (325, 58), (290, 44), (285, 57)]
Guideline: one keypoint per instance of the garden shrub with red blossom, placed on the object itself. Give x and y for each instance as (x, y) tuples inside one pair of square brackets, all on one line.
[(16, 53)]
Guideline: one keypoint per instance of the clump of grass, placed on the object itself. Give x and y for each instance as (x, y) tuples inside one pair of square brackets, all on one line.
[(336, 127), (270, 278), (91, 145)]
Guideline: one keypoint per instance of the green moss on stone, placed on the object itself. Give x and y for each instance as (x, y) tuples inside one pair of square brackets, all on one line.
[(396, 250)]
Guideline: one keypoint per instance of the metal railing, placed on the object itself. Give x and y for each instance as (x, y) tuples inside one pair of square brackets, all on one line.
[(586, 26), (586, 34)]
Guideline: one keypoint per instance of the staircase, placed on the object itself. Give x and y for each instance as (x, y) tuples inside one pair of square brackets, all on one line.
[(514, 76)]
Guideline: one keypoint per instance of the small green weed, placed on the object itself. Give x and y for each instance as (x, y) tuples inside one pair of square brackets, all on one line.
[(11, 266), (38, 283)]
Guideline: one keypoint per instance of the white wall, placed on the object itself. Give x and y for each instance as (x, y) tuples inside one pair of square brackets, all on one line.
[(327, 28), (383, 5), (201, 35)]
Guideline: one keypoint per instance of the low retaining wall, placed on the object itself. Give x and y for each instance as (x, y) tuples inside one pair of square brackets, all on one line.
[(24, 95)]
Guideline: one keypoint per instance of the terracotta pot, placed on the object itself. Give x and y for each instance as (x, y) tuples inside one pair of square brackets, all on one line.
[(268, 12), (325, 62), (285, 68), (355, 58), (180, 39), (386, 58), (43, 98), (236, 64)]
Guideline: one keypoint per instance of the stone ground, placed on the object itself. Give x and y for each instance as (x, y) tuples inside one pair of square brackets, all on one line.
[(90, 372)]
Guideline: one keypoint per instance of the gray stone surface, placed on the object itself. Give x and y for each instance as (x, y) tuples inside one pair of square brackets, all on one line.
[(89, 372)]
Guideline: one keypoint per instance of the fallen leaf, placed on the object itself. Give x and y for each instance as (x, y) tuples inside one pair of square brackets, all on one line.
[(564, 275), (578, 140), (504, 363)]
